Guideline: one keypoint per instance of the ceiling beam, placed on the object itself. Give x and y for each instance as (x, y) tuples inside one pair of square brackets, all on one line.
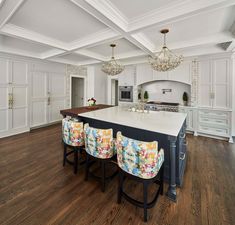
[(24, 34), (97, 9), (91, 54), (8, 9), (180, 10)]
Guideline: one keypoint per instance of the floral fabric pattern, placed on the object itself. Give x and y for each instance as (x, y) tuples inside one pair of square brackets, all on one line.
[(99, 142), (141, 159), (72, 132)]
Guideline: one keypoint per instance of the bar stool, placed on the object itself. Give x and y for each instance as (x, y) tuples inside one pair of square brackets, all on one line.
[(73, 138), (142, 162), (99, 146)]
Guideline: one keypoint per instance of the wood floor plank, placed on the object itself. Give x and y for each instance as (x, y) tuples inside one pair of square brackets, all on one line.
[(36, 189)]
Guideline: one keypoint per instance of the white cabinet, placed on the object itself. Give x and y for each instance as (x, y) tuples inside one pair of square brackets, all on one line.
[(214, 86), (221, 83), (144, 73), (48, 97), (190, 120), (214, 122), (127, 77), (13, 97)]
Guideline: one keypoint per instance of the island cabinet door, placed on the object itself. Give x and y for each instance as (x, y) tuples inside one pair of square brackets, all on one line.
[(181, 157)]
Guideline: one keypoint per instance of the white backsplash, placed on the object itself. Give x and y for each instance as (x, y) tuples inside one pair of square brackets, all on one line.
[(156, 93)]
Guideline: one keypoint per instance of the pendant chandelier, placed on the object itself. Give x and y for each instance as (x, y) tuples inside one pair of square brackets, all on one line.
[(112, 67), (166, 60)]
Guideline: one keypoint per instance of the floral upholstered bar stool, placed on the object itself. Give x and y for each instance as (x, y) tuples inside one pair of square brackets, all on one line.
[(73, 138), (99, 146), (140, 161)]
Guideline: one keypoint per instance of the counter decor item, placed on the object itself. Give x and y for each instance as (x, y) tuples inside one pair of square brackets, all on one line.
[(146, 96), (91, 101), (185, 98)]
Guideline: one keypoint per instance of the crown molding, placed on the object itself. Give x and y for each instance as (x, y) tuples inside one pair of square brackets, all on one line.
[(7, 10), (111, 12)]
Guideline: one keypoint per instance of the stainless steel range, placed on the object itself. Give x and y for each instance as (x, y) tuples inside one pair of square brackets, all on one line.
[(162, 106)]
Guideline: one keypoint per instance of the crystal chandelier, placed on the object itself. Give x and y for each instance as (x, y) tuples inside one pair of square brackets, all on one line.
[(112, 67), (166, 60)]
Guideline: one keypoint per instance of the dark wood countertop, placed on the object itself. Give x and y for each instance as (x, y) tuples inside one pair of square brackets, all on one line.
[(75, 111)]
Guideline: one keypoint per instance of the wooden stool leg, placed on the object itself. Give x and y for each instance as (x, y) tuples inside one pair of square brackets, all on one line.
[(103, 176), (65, 151), (75, 166), (145, 192)]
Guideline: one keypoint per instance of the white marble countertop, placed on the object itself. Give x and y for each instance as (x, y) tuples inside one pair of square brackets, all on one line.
[(168, 123)]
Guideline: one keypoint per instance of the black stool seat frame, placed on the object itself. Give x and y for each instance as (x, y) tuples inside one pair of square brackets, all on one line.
[(77, 151), (90, 160), (145, 204)]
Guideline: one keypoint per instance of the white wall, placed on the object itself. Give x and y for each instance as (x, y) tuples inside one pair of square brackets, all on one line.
[(156, 94), (100, 86)]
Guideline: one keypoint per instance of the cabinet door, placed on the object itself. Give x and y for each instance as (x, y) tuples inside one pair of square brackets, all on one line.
[(39, 98), (221, 87), (57, 95), (4, 71), (19, 73), (182, 73), (144, 73), (205, 84), (4, 109), (19, 112)]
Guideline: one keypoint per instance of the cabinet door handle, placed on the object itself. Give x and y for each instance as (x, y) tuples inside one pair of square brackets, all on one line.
[(10, 100), (48, 101)]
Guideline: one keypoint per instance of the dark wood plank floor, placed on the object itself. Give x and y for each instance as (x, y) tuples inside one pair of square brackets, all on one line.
[(36, 189)]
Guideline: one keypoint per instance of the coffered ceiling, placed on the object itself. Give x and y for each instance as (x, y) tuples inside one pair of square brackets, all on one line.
[(80, 31)]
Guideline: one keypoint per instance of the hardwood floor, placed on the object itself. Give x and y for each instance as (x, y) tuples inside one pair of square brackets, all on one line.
[(36, 189)]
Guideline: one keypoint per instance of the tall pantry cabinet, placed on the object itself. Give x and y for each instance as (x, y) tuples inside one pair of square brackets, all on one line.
[(14, 102), (48, 97), (215, 96), (32, 93)]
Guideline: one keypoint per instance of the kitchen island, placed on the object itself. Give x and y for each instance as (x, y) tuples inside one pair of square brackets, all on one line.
[(168, 128)]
